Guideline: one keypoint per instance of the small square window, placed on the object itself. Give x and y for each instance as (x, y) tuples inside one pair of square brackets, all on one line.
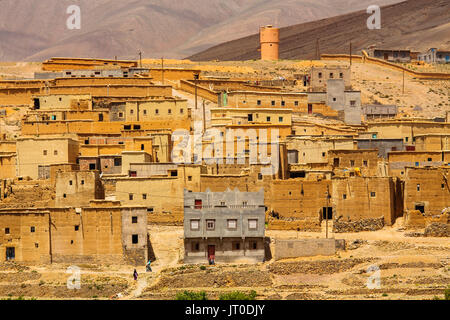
[(181, 110), (135, 239), (252, 224), (232, 223), (373, 194), (144, 196), (77, 228), (273, 103), (195, 246), (156, 111), (45, 152), (55, 152), (365, 163), (344, 196), (82, 182), (130, 196), (195, 224), (134, 219), (36, 245), (253, 245), (7, 231), (258, 102), (70, 183), (210, 225), (169, 111), (32, 229), (418, 187), (352, 163), (189, 178), (150, 209), (280, 119), (268, 119), (236, 246)]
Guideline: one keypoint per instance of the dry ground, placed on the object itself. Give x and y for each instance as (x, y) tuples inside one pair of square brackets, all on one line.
[(410, 268)]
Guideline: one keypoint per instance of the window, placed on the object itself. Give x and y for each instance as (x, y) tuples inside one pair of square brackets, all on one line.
[(373, 194), (283, 103), (198, 204), (210, 224), (258, 102), (250, 117), (32, 229), (150, 209), (77, 228), (429, 159), (331, 75), (131, 111), (64, 195), (130, 196), (341, 75), (169, 111), (244, 203), (418, 187), (145, 112), (352, 103), (117, 162), (334, 99), (273, 103), (296, 103), (268, 119), (344, 196), (70, 182), (232, 224), (320, 75), (236, 246), (352, 163), (195, 224), (365, 163), (92, 166), (134, 238), (36, 245), (127, 127), (45, 152), (323, 154), (7, 231), (280, 119), (195, 246), (82, 182), (144, 196), (120, 114), (134, 219), (252, 224), (260, 176), (189, 178), (137, 127), (156, 111), (181, 110), (442, 185), (253, 245)]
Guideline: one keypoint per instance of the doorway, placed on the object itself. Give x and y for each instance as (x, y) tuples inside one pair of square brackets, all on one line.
[(211, 252), (327, 213), (310, 108), (420, 207), (10, 253), (386, 56)]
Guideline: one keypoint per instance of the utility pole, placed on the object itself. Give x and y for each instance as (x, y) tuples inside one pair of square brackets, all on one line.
[(326, 211), (162, 69), (140, 59), (204, 117), (350, 54), (403, 90), (195, 82), (317, 49)]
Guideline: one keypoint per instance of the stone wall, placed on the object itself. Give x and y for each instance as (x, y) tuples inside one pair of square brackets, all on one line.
[(371, 224)]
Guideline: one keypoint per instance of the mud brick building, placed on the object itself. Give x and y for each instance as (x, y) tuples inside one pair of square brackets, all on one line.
[(225, 226)]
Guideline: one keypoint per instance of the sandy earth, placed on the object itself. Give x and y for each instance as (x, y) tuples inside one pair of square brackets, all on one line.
[(410, 268)]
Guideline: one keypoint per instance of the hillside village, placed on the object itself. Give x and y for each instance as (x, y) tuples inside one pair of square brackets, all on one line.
[(264, 171)]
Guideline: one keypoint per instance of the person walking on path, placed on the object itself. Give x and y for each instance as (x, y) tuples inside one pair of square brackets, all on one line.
[(149, 268), (135, 274)]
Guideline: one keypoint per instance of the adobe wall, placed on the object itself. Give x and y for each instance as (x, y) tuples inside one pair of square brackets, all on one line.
[(285, 249)]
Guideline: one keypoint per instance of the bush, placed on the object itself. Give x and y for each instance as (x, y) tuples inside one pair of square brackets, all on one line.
[(202, 267), (238, 295), (191, 295)]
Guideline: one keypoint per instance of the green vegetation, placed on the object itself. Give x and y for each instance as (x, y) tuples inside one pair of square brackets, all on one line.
[(191, 295), (238, 295), (202, 267)]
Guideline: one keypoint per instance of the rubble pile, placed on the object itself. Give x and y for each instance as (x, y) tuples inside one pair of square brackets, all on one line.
[(358, 226)]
